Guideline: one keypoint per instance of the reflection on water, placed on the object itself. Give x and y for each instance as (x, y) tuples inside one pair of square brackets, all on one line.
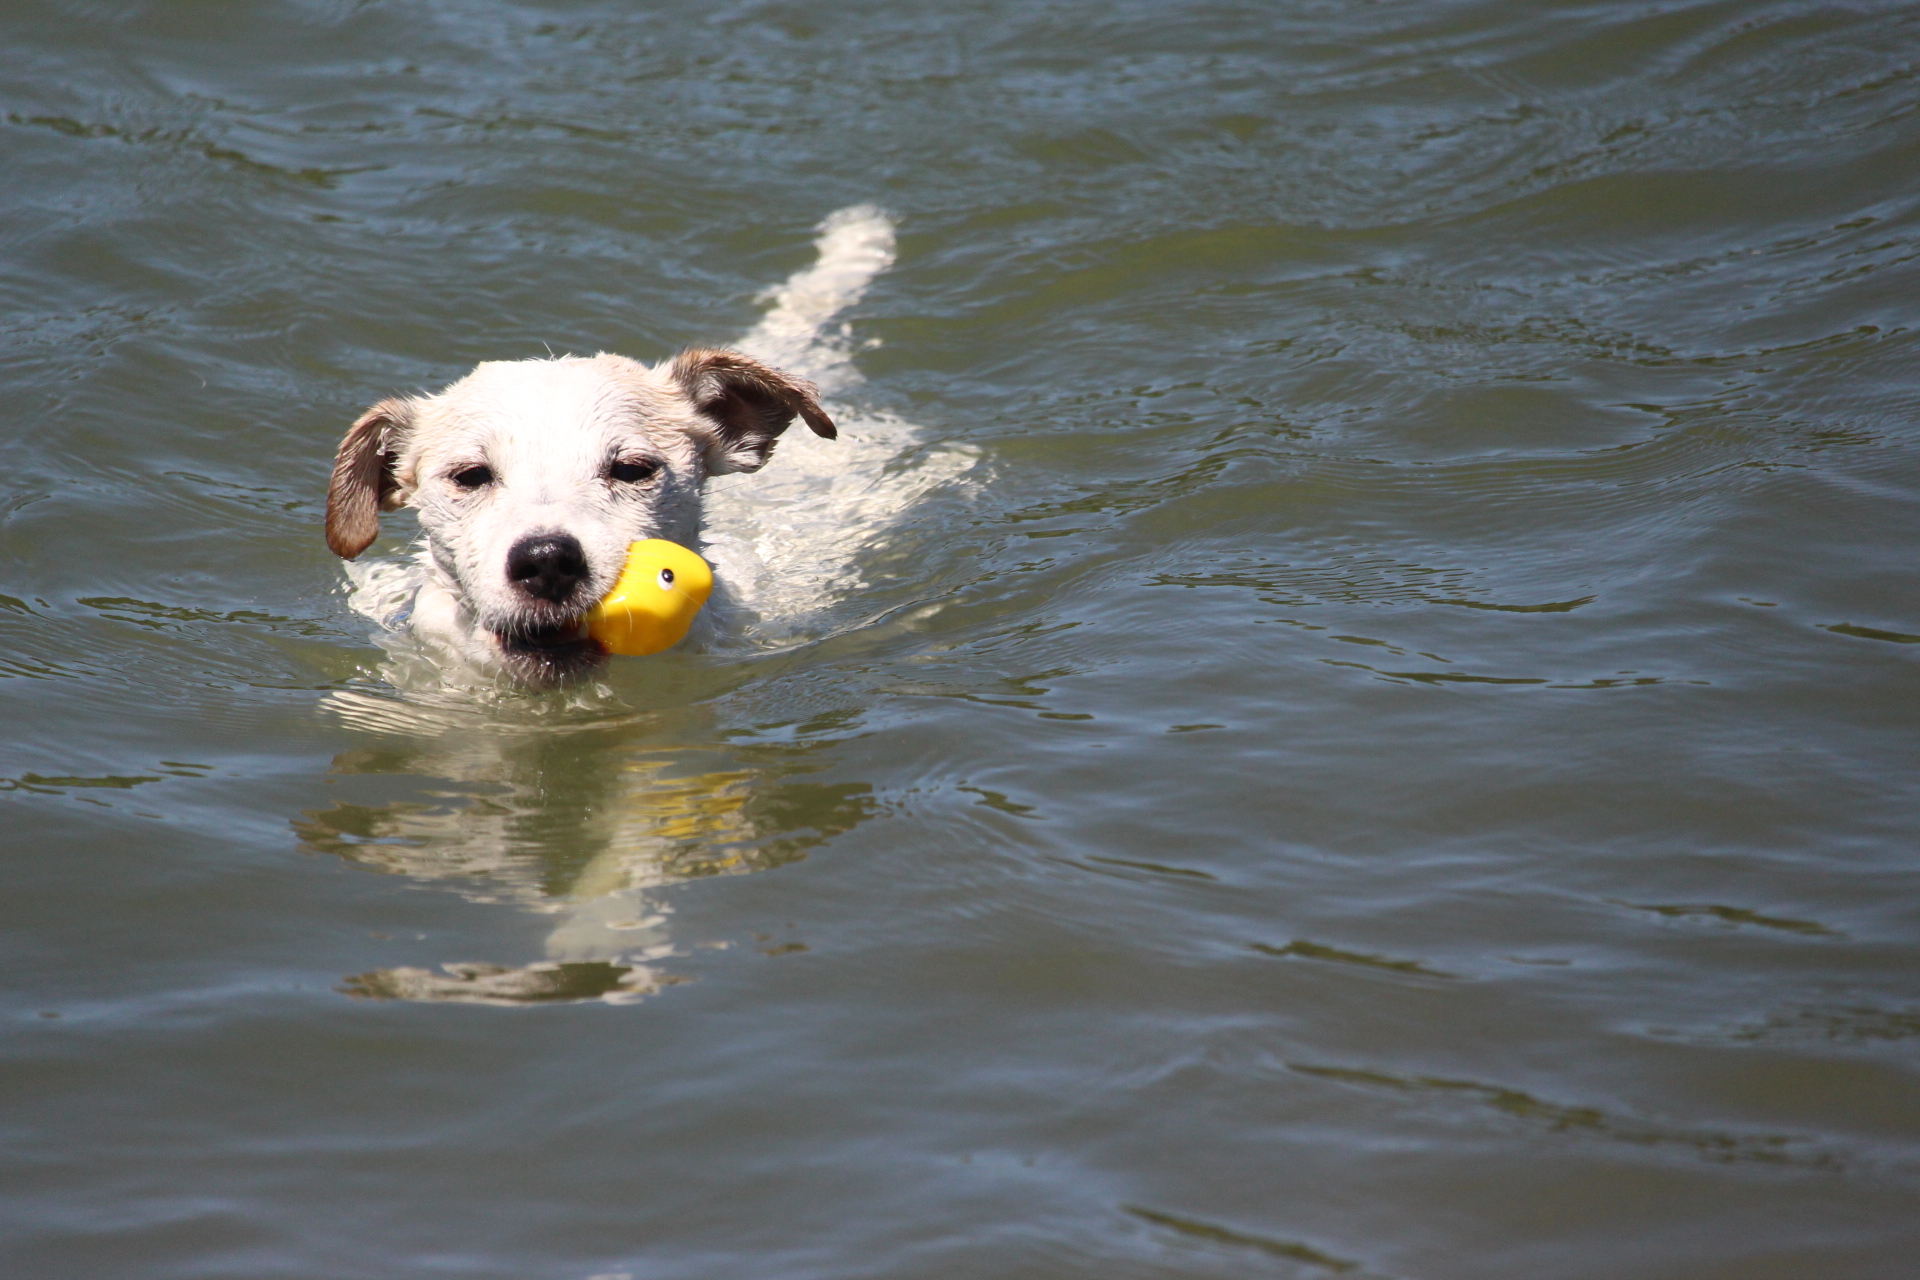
[(1370, 580), (574, 822), (496, 984)]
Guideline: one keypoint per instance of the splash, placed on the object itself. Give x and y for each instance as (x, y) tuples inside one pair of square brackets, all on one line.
[(788, 541), (855, 245)]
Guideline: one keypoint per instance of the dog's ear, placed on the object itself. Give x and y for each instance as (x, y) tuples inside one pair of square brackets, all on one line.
[(365, 480), (748, 403)]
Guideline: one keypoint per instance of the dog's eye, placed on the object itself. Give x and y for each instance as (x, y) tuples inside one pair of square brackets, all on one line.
[(631, 470), (474, 477)]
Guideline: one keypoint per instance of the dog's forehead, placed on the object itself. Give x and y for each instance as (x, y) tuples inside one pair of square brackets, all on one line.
[(558, 405)]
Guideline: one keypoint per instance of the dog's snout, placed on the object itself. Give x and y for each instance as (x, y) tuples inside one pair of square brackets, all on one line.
[(550, 567)]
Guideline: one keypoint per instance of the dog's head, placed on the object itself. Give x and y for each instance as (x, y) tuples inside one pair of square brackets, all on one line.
[(531, 478)]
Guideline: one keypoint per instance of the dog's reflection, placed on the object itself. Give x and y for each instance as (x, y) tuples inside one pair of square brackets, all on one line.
[(585, 824)]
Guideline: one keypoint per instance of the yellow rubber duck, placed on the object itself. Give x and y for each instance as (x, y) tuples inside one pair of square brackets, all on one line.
[(650, 608)]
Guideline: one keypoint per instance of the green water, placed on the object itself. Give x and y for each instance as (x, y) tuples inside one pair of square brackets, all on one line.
[(1387, 750)]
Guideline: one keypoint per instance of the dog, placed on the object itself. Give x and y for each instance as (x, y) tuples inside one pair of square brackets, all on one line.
[(532, 477)]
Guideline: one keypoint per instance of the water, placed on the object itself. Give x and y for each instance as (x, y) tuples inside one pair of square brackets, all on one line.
[(1344, 705)]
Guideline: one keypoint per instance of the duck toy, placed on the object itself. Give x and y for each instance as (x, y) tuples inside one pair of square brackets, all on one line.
[(661, 589)]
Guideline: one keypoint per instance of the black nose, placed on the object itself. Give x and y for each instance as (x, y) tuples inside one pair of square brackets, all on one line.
[(549, 567)]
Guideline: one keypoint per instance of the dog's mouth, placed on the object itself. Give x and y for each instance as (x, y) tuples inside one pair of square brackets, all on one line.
[(550, 650)]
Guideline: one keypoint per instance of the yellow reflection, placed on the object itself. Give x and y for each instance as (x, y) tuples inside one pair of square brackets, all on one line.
[(576, 822)]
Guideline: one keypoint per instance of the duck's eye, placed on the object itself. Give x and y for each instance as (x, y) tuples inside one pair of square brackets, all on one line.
[(666, 579), (631, 470), (474, 477)]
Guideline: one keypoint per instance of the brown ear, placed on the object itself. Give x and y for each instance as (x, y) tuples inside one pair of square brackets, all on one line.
[(364, 481), (749, 403)]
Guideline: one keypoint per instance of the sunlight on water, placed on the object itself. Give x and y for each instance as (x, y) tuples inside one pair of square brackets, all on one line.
[(1342, 705)]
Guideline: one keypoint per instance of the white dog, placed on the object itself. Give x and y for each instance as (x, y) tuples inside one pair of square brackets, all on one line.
[(532, 477)]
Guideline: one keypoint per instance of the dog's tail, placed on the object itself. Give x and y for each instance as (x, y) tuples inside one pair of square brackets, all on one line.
[(855, 245)]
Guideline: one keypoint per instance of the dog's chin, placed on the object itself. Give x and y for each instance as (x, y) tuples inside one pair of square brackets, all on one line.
[(548, 654)]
